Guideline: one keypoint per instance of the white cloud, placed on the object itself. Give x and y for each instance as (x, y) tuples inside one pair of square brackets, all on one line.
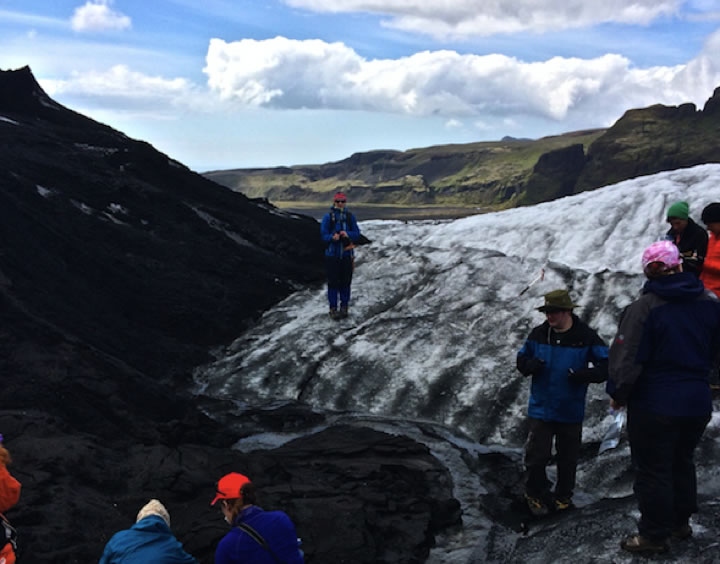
[(23, 18), (453, 123), (96, 15), (291, 74), (464, 18), (481, 125), (129, 91)]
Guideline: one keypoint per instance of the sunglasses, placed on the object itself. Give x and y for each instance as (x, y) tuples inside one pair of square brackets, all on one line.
[(340, 201), (553, 310)]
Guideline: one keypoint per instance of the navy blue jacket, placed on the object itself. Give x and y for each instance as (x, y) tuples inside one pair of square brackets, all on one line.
[(148, 540), (334, 221), (238, 547), (553, 397), (666, 345)]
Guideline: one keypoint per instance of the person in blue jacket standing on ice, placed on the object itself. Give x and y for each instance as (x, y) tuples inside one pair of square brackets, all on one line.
[(557, 354), (339, 231)]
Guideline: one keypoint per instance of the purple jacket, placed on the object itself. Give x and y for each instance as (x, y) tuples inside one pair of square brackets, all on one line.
[(238, 547)]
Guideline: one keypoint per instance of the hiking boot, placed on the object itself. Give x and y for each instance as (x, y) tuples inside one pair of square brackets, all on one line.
[(682, 532), (334, 313), (563, 503), (536, 506), (641, 544), (343, 312)]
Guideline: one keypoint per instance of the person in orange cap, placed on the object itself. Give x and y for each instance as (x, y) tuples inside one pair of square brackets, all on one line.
[(9, 496), (257, 536)]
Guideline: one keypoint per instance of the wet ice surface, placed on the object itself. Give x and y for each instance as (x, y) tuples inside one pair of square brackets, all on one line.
[(437, 317)]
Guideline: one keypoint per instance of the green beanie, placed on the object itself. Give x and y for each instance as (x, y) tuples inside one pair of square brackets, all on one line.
[(680, 210)]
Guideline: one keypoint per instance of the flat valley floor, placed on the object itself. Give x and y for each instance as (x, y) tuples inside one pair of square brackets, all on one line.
[(364, 212)]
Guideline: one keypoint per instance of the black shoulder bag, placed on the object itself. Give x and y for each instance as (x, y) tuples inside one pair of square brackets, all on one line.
[(259, 539)]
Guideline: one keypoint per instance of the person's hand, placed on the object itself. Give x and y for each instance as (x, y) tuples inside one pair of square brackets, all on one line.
[(582, 376), (535, 366), (336, 237), (343, 234), (615, 405)]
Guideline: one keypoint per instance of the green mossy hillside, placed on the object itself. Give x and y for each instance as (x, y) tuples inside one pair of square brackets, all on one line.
[(501, 174)]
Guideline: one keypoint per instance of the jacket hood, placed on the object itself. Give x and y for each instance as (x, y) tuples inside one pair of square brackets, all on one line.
[(152, 523), (675, 287)]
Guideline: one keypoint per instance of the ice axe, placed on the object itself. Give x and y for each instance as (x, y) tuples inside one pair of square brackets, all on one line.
[(537, 279)]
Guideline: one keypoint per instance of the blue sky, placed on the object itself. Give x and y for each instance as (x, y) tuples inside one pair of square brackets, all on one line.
[(227, 84)]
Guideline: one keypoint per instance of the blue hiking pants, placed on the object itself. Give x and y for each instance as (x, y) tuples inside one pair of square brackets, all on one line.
[(339, 277)]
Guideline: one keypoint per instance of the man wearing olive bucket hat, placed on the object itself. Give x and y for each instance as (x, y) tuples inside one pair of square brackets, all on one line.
[(557, 355)]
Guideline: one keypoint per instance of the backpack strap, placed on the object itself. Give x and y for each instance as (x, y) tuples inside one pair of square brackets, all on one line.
[(257, 537), (344, 215), (8, 534)]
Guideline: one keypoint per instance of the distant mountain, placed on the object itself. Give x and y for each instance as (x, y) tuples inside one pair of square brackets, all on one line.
[(652, 140), (491, 174), (504, 173)]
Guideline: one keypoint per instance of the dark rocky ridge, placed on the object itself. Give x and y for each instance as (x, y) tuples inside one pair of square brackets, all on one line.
[(119, 269), (649, 140), (127, 249)]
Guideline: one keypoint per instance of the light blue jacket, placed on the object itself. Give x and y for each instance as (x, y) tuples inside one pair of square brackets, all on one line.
[(148, 540)]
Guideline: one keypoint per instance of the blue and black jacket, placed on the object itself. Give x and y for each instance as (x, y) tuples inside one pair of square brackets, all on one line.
[(334, 221), (553, 397), (667, 343)]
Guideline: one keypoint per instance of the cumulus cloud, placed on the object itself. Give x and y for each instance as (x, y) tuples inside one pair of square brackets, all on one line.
[(133, 91), (464, 18), (291, 74), (481, 90), (96, 15)]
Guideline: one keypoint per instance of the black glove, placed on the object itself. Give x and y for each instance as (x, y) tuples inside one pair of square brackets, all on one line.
[(582, 376), (530, 366)]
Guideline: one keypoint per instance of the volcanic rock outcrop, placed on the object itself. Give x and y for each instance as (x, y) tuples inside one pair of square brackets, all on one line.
[(119, 270)]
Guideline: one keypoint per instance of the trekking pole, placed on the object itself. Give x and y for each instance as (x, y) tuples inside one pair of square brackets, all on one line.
[(537, 279)]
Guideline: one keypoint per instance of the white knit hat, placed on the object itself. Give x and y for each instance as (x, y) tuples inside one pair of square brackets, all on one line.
[(154, 507)]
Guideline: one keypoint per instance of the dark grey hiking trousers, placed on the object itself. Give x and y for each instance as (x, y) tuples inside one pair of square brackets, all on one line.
[(538, 453), (663, 450)]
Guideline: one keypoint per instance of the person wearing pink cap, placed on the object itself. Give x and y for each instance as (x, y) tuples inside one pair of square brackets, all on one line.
[(339, 231), (257, 536), (666, 345)]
